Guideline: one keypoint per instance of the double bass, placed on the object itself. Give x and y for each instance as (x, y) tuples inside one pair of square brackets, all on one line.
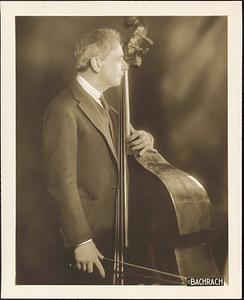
[(163, 215)]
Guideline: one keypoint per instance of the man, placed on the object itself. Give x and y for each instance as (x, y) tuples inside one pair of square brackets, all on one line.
[(79, 137)]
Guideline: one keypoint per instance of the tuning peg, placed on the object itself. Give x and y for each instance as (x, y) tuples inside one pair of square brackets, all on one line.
[(148, 40), (145, 38), (144, 51), (131, 21), (137, 48)]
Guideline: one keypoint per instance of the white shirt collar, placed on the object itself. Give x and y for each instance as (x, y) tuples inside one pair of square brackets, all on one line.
[(89, 88)]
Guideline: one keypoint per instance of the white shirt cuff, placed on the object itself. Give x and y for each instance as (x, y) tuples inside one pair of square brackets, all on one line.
[(88, 241)]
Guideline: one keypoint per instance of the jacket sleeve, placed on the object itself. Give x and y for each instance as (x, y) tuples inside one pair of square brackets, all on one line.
[(60, 145)]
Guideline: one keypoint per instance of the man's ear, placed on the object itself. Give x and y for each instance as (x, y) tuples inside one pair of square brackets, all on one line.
[(96, 64)]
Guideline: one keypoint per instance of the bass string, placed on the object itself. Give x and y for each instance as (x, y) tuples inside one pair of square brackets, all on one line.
[(147, 269), (152, 277)]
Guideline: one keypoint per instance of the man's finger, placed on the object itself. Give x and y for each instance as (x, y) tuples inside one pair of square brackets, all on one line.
[(133, 136), (100, 268), (144, 150), (137, 142), (100, 254), (132, 129), (84, 266), (90, 267), (138, 147), (78, 265)]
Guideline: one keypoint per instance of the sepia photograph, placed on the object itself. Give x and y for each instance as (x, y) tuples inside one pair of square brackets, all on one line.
[(123, 166)]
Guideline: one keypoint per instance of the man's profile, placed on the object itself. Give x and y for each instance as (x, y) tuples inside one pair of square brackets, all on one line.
[(80, 132)]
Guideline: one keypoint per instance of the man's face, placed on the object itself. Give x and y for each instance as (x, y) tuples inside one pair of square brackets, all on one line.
[(113, 67)]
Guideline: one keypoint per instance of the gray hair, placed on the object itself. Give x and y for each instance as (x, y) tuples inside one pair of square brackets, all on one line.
[(97, 42)]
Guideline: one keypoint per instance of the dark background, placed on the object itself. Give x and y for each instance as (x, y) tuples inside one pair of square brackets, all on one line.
[(179, 94)]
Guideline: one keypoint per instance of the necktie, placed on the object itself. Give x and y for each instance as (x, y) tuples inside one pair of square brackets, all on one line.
[(106, 110), (104, 103)]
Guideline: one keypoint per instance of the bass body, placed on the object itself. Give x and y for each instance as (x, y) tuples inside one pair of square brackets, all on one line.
[(170, 221)]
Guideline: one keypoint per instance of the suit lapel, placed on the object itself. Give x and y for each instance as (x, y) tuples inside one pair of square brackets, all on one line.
[(88, 107), (115, 119)]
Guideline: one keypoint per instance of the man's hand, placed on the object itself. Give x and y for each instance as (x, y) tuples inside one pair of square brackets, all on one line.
[(86, 255), (140, 141)]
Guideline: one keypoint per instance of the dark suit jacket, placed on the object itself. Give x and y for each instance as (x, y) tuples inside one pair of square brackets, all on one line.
[(81, 165)]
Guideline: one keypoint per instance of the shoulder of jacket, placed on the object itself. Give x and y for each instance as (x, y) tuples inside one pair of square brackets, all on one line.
[(62, 103)]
